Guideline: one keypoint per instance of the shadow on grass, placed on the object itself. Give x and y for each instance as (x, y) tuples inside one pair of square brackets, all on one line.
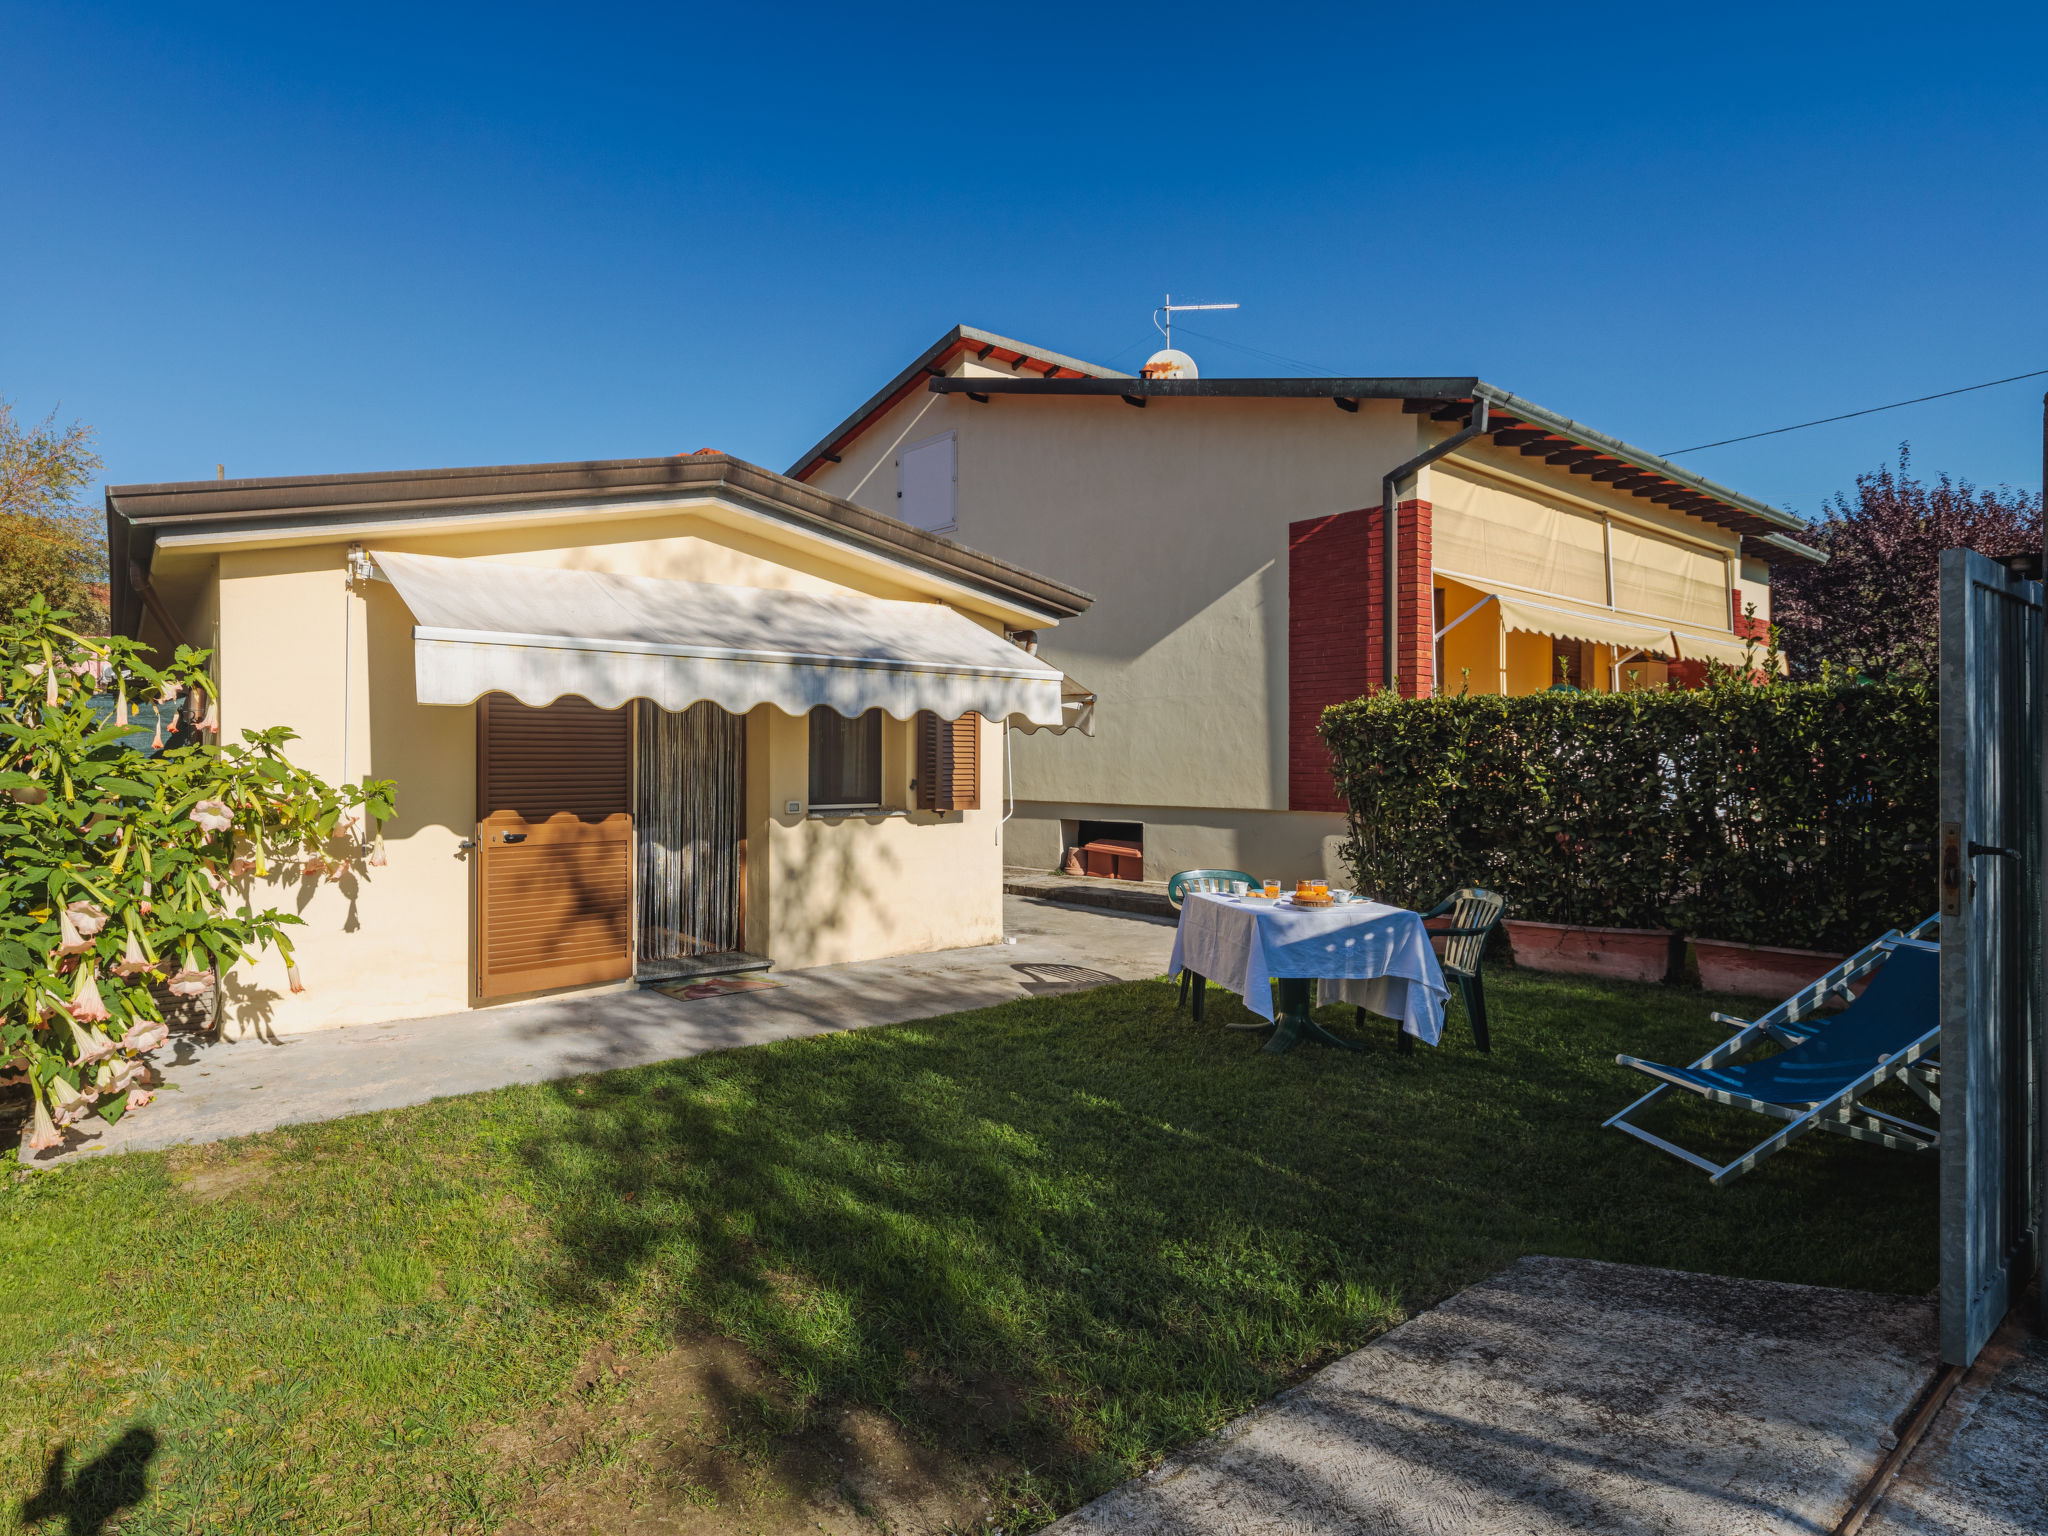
[(1133, 1226), (89, 1498)]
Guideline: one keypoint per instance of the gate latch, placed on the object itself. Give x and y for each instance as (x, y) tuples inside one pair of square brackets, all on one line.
[(1951, 869), (1978, 850), (520, 837)]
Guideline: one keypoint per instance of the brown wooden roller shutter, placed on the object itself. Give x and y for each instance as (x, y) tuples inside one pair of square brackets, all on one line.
[(948, 763), (554, 845)]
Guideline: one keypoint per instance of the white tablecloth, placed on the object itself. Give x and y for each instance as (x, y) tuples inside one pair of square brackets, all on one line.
[(1377, 957)]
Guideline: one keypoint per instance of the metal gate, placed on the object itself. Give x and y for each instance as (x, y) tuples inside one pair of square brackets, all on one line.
[(1991, 944)]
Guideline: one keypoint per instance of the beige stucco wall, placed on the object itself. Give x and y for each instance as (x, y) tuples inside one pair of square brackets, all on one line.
[(298, 647), (1175, 517), (1288, 845)]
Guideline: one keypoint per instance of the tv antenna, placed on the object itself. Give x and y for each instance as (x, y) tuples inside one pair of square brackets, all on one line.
[(1169, 309)]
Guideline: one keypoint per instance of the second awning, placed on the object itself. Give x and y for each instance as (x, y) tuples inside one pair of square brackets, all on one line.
[(539, 633)]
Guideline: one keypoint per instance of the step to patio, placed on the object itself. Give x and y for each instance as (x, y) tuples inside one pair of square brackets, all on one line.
[(722, 962), (1147, 898), (1565, 1396)]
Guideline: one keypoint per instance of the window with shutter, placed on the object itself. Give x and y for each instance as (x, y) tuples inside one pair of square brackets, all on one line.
[(948, 763)]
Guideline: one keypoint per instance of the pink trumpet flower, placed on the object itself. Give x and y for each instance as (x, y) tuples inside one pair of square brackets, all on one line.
[(376, 859), (121, 704), (88, 918), (313, 869), (337, 869), (213, 815), (149, 1035), (291, 974), (72, 1106), (43, 1133), (138, 1097), (157, 745), (133, 961), (86, 1006), (69, 940), (168, 694), (242, 868), (190, 983), (92, 1045), (50, 686), (120, 1076)]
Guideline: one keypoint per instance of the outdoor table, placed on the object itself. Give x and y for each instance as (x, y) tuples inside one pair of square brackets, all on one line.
[(1375, 956)]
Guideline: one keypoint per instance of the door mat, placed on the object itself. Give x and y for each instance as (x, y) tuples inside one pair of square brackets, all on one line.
[(717, 986)]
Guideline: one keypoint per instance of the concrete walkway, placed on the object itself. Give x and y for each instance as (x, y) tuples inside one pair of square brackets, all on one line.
[(1982, 1467), (1564, 1395), (235, 1088)]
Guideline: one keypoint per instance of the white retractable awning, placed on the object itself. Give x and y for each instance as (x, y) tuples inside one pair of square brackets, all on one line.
[(1563, 619), (1077, 711), (538, 633), (1694, 646)]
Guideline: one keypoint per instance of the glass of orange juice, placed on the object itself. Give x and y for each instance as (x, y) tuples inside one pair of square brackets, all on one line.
[(1273, 889)]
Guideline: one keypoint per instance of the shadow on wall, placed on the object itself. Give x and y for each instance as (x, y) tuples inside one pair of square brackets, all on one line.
[(89, 1498), (842, 880)]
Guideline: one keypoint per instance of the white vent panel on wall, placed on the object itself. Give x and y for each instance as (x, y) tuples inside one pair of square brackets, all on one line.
[(927, 483)]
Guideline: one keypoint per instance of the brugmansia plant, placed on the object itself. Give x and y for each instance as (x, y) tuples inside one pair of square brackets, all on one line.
[(122, 872)]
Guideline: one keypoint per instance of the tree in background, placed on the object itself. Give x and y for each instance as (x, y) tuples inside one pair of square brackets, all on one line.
[(1875, 606), (50, 546)]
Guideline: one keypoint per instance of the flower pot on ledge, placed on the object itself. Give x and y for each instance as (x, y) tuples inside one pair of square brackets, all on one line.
[(1760, 970), (1620, 954)]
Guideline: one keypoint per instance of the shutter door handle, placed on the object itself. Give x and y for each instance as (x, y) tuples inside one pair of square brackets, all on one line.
[(1978, 850), (512, 837)]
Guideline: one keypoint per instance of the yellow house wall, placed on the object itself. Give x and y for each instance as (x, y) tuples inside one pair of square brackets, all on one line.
[(1472, 650), (397, 941), (1175, 517)]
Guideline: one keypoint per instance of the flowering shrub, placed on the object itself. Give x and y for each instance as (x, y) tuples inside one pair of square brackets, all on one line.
[(122, 871)]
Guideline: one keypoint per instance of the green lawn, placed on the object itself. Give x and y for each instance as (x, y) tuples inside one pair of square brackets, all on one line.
[(1023, 1252)]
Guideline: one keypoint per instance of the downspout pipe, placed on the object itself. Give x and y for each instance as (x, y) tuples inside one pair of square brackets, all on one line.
[(1390, 518)]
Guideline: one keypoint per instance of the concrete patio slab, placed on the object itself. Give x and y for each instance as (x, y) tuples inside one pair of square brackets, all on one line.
[(1982, 1467), (1564, 1395), (234, 1088)]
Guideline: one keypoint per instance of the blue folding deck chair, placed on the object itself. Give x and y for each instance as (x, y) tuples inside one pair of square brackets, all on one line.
[(1889, 1034)]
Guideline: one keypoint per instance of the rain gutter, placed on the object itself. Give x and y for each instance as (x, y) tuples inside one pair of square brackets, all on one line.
[(1390, 521)]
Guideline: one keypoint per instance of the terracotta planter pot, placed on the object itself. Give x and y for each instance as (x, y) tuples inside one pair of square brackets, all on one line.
[(1760, 970), (1623, 954)]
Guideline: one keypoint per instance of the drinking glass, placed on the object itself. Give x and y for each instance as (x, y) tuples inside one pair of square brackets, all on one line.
[(1239, 887), (1273, 890)]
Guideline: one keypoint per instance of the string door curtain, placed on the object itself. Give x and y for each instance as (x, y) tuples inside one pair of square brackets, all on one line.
[(691, 804)]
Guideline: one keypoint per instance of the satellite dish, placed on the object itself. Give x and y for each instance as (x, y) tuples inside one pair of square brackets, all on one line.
[(1170, 364)]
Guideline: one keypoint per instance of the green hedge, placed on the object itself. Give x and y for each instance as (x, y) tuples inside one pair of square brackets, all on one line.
[(1772, 815)]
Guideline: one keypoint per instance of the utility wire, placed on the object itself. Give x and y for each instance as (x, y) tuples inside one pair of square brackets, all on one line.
[(1846, 415), (1318, 369)]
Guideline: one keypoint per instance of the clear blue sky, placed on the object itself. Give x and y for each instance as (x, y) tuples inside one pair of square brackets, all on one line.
[(295, 238)]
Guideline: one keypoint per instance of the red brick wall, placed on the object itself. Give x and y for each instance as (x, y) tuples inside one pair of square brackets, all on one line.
[(1334, 597), (1417, 652)]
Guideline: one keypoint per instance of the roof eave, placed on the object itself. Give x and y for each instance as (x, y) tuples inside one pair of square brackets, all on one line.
[(139, 514), (1527, 410), (927, 365)]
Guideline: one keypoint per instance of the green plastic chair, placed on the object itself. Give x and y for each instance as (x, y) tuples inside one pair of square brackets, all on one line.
[(1474, 915), (1176, 891)]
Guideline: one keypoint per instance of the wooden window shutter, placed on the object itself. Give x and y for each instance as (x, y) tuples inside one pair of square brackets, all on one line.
[(948, 763)]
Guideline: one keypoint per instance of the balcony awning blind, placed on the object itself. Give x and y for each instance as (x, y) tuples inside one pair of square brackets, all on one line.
[(539, 633), (1563, 619)]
